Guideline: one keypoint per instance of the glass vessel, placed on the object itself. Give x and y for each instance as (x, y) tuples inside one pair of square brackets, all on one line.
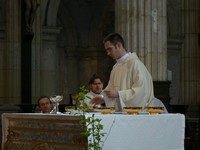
[(55, 100)]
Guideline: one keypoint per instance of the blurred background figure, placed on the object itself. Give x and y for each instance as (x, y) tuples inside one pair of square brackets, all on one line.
[(96, 87), (44, 104)]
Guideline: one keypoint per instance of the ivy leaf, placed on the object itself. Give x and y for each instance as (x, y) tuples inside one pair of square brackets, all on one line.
[(85, 105)]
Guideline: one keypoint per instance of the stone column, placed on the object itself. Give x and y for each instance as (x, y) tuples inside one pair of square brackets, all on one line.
[(2, 64), (11, 81), (174, 63), (46, 64), (190, 70), (46, 75), (143, 26)]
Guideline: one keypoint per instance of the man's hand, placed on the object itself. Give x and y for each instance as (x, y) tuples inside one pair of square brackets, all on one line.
[(112, 93), (97, 100)]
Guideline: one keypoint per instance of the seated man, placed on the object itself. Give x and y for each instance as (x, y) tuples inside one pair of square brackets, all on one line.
[(44, 104), (96, 87), (96, 90)]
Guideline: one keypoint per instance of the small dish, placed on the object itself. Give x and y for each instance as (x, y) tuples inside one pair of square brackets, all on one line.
[(132, 110), (155, 110), (69, 108), (105, 110)]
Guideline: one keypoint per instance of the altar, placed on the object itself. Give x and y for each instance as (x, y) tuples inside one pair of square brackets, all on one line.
[(123, 132)]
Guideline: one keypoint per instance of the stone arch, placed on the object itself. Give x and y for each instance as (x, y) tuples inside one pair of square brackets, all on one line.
[(51, 10), (78, 43)]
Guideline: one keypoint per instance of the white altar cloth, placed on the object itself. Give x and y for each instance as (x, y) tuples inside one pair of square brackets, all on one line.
[(143, 132)]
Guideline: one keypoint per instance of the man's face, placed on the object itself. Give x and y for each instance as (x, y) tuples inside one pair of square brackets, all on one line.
[(112, 50), (45, 105), (96, 86)]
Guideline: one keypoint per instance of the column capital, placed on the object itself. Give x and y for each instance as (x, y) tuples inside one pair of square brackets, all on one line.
[(174, 43), (50, 33)]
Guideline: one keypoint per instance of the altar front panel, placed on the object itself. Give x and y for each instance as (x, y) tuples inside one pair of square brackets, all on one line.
[(42, 131)]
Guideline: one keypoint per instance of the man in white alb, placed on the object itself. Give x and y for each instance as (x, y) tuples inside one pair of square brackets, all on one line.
[(130, 82)]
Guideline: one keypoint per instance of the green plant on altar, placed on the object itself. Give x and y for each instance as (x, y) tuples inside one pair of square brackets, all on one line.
[(79, 98), (93, 131), (93, 127)]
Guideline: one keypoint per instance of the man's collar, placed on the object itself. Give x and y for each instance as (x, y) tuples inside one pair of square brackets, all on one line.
[(121, 60)]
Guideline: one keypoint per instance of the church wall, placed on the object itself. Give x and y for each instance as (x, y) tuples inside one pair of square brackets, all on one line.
[(80, 41), (190, 67), (183, 51), (67, 50)]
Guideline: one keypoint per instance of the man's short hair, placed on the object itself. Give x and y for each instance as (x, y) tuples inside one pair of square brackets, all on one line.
[(93, 78), (114, 38)]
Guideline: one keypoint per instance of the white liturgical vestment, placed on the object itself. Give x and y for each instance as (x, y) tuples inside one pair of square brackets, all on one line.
[(133, 81), (90, 95)]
